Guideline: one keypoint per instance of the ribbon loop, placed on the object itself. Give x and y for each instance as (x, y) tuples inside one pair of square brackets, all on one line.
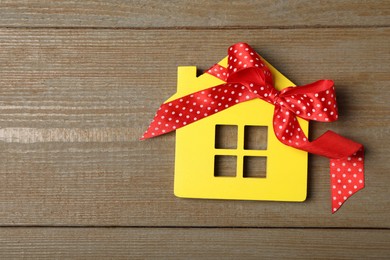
[(315, 101)]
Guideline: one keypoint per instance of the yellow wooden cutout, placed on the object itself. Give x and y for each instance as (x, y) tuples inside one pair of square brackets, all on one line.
[(195, 177)]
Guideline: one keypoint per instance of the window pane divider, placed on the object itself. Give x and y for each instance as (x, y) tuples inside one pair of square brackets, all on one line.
[(240, 137), (240, 152), (234, 152), (240, 166)]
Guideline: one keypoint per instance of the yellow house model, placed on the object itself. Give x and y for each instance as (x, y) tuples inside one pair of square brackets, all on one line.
[(251, 164)]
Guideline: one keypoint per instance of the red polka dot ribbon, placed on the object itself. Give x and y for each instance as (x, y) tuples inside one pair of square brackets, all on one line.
[(247, 77)]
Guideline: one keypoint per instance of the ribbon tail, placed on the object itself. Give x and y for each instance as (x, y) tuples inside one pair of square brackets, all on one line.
[(347, 177), (161, 123), (346, 165), (346, 156), (196, 106)]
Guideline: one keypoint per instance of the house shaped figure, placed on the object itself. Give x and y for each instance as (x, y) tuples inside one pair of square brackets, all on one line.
[(234, 154)]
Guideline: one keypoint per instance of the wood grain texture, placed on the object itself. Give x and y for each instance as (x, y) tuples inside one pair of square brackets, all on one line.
[(151, 243), (74, 102), (216, 13), (81, 80)]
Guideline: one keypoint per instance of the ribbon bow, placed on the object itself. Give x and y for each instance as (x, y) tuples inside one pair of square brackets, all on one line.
[(247, 77)]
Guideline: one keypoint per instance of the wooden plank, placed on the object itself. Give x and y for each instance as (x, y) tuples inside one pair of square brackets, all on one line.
[(178, 243), (216, 13), (74, 103)]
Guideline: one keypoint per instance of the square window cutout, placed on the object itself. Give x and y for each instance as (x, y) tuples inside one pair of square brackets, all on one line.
[(255, 167), (226, 136), (255, 137), (225, 166)]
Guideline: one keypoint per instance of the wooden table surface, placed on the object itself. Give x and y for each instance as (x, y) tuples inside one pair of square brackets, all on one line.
[(81, 80)]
